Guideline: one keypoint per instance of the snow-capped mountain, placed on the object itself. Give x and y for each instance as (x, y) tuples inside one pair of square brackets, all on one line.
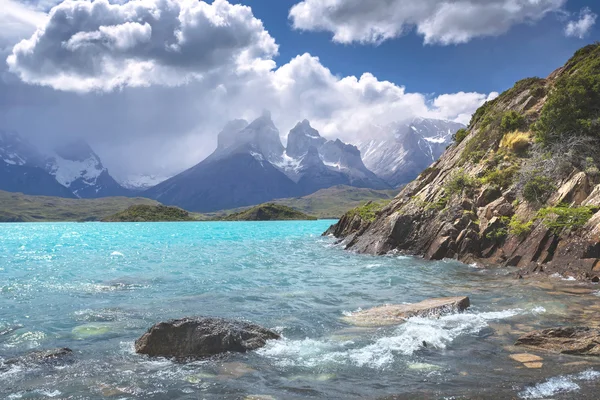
[(251, 166), (73, 170), (78, 168), (23, 169), (399, 152), (317, 163)]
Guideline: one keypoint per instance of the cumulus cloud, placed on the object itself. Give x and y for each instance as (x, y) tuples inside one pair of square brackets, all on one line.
[(581, 27), (155, 108), (99, 45), (438, 21)]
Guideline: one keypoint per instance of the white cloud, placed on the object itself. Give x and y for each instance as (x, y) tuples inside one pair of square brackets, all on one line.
[(156, 109), (438, 21), (99, 45), (581, 27), (17, 21)]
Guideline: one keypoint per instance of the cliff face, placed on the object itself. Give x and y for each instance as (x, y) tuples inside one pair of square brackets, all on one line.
[(519, 187)]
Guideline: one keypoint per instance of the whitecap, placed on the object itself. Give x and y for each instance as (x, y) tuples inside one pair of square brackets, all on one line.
[(538, 310), (549, 388), (405, 340), (117, 254), (557, 385)]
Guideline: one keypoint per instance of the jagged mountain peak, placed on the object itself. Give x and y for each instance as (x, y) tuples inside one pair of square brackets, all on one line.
[(228, 136), (301, 138)]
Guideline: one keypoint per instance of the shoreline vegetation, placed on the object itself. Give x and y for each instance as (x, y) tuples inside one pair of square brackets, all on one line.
[(329, 203)]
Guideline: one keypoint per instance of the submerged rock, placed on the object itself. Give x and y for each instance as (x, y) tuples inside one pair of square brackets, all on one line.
[(397, 314), (569, 340), (52, 356), (201, 337)]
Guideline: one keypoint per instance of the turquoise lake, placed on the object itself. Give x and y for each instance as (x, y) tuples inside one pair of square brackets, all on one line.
[(97, 287)]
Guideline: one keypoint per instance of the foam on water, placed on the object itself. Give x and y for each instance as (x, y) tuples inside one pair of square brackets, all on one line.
[(557, 385), (408, 338)]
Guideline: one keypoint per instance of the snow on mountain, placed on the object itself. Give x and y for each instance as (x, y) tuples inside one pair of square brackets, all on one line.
[(399, 152), (77, 167), (142, 182), (16, 150)]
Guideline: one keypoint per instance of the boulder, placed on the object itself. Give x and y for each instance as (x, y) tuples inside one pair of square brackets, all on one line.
[(582, 341), (397, 314), (201, 337)]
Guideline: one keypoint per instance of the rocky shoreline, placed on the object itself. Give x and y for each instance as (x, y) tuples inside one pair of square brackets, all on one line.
[(501, 196)]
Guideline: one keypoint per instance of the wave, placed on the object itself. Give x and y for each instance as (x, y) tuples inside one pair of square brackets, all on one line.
[(415, 334)]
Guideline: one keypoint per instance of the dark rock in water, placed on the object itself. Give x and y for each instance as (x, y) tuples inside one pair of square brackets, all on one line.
[(52, 356), (201, 337), (582, 341)]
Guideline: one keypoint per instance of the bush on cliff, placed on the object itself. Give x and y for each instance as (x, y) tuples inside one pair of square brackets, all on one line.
[(460, 182), (563, 217), (460, 135), (572, 106)]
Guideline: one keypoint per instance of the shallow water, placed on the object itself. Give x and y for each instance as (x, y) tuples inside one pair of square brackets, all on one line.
[(97, 287)]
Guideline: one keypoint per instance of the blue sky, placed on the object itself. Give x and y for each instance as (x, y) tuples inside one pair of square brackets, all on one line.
[(482, 65), (151, 89)]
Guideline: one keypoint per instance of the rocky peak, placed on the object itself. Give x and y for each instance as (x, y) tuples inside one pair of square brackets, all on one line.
[(260, 138), (341, 155), (301, 138), (228, 136)]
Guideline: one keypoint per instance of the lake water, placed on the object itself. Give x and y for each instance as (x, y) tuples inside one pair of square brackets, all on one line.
[(96, 287)]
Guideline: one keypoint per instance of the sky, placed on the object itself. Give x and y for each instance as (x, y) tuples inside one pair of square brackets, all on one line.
[(150, 83)]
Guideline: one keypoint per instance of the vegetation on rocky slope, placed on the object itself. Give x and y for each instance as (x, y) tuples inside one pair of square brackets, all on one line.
[(150, 213), (268, 212), (519, 187)]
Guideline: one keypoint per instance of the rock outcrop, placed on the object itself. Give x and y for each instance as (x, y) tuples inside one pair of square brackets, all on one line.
[(397, 314), (581, 341), (511, 191), (200, 337), (42, 357)]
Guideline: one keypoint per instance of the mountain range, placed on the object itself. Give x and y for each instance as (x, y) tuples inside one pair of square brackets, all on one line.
[(400, 151), (249, 166), (72, 171)]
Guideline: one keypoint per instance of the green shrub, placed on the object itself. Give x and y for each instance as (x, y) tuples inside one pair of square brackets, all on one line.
[(460, 182), (562, 217), (439, 204), (538, 189), (572, 105), (460, 135), (501, 178), (520, 228), (369, 211), (511, 121), (498, 234)]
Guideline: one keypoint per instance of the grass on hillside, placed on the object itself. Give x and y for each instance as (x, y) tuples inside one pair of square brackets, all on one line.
[(268, 212), (148, 213), (17, 207)]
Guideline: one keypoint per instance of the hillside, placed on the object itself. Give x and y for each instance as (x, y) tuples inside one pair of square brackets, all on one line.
[(17, 207), (150, 213), (520, 187), (268, 212), (335, 201)]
